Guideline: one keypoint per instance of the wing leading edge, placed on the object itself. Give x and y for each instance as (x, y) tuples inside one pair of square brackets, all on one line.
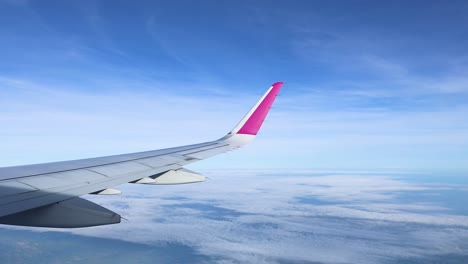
[(36, 195)]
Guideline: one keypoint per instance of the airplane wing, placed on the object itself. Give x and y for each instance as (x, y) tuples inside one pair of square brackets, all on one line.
[(47, 195)]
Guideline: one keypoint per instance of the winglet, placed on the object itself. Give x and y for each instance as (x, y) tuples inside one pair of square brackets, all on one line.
[(251, 123)]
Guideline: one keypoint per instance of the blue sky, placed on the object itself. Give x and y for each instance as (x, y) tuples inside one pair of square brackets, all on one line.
[(369, 85)]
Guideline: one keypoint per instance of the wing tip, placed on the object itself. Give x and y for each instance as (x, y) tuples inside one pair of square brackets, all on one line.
[(255, 121)]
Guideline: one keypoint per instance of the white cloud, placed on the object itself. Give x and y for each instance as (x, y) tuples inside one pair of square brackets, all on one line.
[(252, 217)]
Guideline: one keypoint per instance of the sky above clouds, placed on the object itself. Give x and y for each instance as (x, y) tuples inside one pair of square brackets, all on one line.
[(368, 85)]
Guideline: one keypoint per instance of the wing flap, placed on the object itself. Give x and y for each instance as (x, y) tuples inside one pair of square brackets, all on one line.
[(180, 176)]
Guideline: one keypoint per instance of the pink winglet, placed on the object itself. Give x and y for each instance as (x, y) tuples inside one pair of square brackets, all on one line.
[(253, 124)]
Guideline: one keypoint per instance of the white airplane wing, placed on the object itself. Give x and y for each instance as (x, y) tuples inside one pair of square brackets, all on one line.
[(47, 195)]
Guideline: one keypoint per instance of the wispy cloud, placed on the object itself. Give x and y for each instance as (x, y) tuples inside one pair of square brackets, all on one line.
[(133, 118)]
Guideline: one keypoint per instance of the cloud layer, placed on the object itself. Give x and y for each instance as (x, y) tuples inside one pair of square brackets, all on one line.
[(325, 217)]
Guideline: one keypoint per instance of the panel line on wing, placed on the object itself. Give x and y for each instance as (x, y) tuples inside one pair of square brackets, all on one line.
[(137, 161), (198, 151)]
